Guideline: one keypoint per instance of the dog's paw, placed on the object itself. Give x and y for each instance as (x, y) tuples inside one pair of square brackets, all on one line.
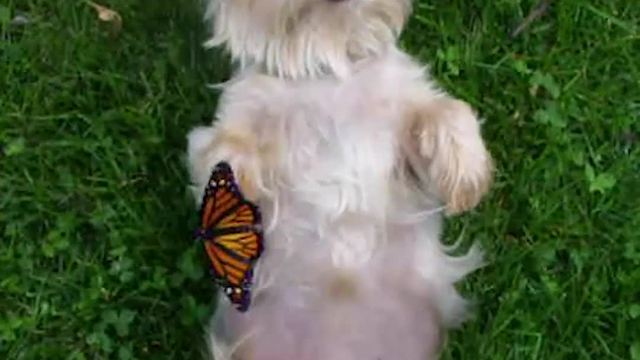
[(247, 183), (458, 161), (208, 147)]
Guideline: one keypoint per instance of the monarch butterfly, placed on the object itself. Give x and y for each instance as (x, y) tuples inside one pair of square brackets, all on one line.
[(230, 228)]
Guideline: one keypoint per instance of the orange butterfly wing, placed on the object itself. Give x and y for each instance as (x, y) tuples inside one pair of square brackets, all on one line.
[(231, 230)]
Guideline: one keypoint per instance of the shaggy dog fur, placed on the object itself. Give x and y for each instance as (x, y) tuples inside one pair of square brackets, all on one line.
[(351, 151)]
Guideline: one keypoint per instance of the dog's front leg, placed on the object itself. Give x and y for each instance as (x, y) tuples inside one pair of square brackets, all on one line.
[(233, 142), (447, 135)]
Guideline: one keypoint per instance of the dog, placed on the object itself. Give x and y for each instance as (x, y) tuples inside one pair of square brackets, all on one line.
[(354, 154)]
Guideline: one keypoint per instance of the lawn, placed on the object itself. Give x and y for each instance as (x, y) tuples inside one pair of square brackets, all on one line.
[(96, 259)]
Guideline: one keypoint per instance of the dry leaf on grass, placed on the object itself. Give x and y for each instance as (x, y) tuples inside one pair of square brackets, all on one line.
[(107, 15)]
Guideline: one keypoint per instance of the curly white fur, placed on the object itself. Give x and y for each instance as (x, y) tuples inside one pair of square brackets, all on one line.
[(304, 38), (350, 150)]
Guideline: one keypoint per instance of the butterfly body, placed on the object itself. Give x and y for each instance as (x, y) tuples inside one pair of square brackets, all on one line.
[(231, 232)]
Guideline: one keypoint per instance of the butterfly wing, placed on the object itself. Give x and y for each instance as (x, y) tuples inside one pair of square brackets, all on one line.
[(234, 275), (231, 230), (240, 231)]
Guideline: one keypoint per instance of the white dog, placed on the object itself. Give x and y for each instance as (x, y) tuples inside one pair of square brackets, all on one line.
[(351, 151)]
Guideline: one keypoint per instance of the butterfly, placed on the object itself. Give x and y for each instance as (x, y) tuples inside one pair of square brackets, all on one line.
[(231, 230)]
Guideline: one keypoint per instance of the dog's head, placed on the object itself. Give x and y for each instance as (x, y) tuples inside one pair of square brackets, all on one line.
[(305, 38)]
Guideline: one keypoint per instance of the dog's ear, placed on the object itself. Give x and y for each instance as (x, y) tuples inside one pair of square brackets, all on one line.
[(447, 152)]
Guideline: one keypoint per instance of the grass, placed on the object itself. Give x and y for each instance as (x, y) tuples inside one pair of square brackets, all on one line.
[(95, 215)]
